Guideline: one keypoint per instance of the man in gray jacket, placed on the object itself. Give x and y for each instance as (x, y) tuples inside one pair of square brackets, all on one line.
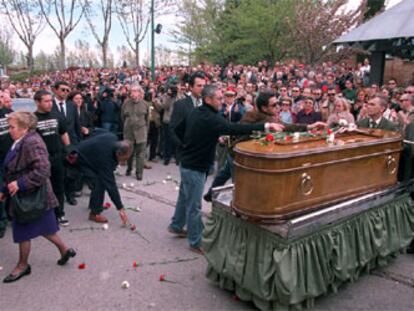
[(135, 116)]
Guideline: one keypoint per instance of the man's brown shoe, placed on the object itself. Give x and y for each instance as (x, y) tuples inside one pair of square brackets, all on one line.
[(148, 167), (98, 218), (197, 250), (181, 234)]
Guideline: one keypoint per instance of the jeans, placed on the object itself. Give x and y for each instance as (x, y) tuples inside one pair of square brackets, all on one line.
[(188, 206), (112, 127)]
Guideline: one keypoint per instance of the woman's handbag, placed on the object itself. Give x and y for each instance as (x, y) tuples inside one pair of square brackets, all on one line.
[(30, 205)]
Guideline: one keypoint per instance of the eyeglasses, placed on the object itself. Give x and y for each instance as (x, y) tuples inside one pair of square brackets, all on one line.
[(285, 104), (64, 90), (331, 94), (295, 90)]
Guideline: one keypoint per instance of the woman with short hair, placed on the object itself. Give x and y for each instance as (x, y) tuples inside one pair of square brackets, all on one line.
[(341, 114), (27, 168)]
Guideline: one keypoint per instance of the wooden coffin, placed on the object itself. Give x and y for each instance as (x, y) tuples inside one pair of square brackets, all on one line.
[(285, 178)]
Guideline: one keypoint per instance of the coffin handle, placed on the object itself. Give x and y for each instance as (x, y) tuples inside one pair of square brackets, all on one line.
[(306, 184), (391, 165)]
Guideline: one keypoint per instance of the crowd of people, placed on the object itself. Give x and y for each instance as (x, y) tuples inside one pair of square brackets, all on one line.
[(184, 113)]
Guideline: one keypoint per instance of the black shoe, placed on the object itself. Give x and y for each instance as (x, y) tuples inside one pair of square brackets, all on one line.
[(138, 177), (71, 200), (2, 233), (128, 173), (207, 197), (166, 162), (65, 258), (13, 278)]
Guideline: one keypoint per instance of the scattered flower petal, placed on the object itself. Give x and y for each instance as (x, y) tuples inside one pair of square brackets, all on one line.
[(177, 188), (132, 184), (135, 264), (82, 266), (105, 226), (125, 284), (162, 278), (133, 227), (124, 185), (164, 181)]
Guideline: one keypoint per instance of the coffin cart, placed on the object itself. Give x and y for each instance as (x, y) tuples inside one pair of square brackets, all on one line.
[(303, 241)]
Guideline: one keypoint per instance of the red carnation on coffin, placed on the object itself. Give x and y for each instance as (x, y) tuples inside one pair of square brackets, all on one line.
[(329, 131), (269, 138)]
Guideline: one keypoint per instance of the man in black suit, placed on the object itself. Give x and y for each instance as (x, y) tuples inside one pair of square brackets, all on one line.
[(183, 107), (97, 158), (68, 112), (376, 107)]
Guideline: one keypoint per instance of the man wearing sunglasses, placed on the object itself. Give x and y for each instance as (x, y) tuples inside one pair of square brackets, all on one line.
[(69, 114)]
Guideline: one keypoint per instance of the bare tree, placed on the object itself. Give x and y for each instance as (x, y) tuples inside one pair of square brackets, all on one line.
[(27, 21), (105, 7), (66, 19), (317, 23), (135, 17)]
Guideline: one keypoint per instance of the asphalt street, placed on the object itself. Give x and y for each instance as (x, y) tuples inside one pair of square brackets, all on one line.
[(117, 254)]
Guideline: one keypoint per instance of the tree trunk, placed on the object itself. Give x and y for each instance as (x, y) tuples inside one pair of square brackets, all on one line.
[(136, 54), (29, 57), (104, 54), (62, 53)]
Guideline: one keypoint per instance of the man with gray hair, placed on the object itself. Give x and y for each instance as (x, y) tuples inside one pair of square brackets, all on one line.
[(203, 127), (135, 117), (375, 108)]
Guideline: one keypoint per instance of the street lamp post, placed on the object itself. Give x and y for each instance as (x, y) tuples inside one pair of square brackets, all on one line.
[(152, 42)]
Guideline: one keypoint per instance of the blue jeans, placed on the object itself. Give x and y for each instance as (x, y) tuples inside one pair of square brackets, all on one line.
[(188, 206), (112, 127)]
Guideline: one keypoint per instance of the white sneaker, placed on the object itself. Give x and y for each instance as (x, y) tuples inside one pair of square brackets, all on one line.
[(63, 221)]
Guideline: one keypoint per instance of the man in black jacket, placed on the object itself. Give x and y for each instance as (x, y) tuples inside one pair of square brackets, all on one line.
[(202, 130), (68, 112), (5, 143), (98, 158), (182, 108)]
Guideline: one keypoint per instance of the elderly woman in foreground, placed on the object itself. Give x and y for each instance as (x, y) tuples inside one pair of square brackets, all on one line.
[(26, 169)]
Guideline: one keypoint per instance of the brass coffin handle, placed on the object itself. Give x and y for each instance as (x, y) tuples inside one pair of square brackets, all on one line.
[(306, 184), (391, 165)]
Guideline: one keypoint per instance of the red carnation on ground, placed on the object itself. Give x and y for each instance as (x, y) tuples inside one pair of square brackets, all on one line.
[(107, 205), (269, 138), (162, 278), (82, 266), (133, 227), (135, 264)]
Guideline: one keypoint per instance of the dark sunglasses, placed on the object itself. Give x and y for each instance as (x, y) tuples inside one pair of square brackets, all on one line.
[(64, 90), (408, 92), (330, 94)]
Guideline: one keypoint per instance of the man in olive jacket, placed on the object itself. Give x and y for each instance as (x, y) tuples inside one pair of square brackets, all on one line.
[(135, 116)]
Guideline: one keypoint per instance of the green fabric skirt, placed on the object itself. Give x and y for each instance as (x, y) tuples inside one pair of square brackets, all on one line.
[(276, 273)]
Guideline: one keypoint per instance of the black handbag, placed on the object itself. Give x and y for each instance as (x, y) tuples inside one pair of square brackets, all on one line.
[(29, 206)]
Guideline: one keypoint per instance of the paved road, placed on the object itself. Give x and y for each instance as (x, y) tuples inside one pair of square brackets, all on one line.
[(109, 256)]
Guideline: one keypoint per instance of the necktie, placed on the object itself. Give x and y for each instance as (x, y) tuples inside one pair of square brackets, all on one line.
[(373, 124), (62, 110)]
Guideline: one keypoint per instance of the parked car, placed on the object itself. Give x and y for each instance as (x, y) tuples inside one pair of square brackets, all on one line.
[(26, 104)]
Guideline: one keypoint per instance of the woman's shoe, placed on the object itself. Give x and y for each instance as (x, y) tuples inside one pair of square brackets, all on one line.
[(65, 258), (13, 278)]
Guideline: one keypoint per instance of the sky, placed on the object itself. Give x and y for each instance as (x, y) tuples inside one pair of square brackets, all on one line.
[(48, 42)]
